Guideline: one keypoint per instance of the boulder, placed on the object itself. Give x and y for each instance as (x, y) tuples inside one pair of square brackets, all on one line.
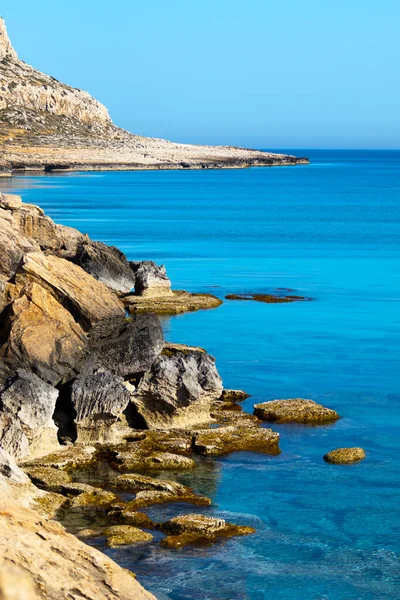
[(87, 300), (296, 410), (125, 347), (32, 402), (98, 399), (48, 478), (151, 279), (177, 391), (106, 264), (40, 335), (345, 456)]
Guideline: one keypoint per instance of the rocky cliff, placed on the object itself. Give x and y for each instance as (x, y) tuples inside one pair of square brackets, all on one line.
[(47, 125)]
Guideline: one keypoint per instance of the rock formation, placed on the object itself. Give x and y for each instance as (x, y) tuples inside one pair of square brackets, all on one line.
[(177, 390), (45, 124)]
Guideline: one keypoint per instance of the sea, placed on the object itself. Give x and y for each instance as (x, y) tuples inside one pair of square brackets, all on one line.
[(330, 231)]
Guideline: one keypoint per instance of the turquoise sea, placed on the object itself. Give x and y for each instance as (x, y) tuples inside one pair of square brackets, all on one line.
[(329, 230)]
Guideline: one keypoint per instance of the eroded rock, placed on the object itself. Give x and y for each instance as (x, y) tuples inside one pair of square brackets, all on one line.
[(98, 399), (177, 391), (125, 347), (151, 279), (32, 402)]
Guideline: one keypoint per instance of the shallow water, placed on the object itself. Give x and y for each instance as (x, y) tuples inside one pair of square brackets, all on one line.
[(330, 230)]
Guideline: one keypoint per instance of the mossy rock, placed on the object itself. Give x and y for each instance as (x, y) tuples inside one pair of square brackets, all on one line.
[(223, 440), (96, 499), (48, 478), (151, 497), (345, 456), (295, 410), (123, 535), (135, 482), (156, 461), (199, 529)]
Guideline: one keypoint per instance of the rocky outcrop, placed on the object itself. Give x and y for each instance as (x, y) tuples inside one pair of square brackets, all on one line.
[(344, 456), (295, 410), (38, 334), (87, 300), (47, 125), (41, 231), (125, 347), (151, 279), (177, 390), (32, 402)]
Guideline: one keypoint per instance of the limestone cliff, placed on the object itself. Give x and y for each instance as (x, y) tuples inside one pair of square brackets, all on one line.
[(47, 125)]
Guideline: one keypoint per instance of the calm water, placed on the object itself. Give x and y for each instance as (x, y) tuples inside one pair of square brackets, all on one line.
[(330, 230)]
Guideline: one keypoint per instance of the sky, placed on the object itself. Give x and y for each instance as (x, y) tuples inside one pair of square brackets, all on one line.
[(256, 73)]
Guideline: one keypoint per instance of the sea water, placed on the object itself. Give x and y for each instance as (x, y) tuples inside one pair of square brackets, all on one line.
[(331, 231)]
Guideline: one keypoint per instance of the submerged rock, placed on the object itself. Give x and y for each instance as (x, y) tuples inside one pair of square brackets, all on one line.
[(150, 279), (177, 391), (197, 528), (296, 410), (122, 535), (268, 298), (151, 497), (345, 456)]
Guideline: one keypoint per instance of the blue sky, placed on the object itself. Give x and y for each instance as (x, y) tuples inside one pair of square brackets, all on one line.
[(261, 73)]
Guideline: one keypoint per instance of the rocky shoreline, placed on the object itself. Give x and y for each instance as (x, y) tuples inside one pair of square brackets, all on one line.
[(87, 387)]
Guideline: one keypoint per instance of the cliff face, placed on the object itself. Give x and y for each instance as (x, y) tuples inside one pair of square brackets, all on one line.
[(47, 125), (29, 100)]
